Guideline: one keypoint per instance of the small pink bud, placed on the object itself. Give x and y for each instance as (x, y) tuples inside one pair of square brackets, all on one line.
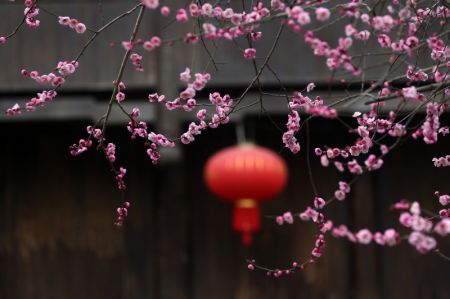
[(310, 87), (165, 11), (319, 203), (250, 53), (279, 220), (288, 217), (339, 195), (151, 4), (73, 23), (120, 96), (80, 28)]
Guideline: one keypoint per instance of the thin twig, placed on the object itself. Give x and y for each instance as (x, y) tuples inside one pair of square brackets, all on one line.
[(120, 74)]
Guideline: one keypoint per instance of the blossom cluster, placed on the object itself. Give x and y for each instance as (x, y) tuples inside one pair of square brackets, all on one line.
[(442, 161), (72, 23), (152, 140), (398, 32), (186, 99), (421, 227), (369, 124), (390, 237), (411, 217), (64, 68), (314, 107), (149, 45), (223, 105), (96, 134), (120, 95), (31, 12), (84, 144), (41, 98), (323, 227), (119, 178), (431, 126), (136, 59), (122, 213), (344, 189)]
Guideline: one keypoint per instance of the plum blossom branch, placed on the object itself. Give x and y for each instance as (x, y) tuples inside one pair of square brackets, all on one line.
[(121, 70), (22, 22), (411, 37)]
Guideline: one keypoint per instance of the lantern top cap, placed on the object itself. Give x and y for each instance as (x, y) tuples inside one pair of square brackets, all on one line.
[(247, 144)]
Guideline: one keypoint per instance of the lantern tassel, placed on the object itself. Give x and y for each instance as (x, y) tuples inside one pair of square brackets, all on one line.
[(246, 238), (246, 219)]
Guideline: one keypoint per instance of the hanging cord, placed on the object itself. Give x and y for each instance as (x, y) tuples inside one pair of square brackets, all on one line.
[(240, 131)]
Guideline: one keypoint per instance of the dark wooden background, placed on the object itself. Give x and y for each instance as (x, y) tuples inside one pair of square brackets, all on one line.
[(57, 239), (56, 212), (41, 49)]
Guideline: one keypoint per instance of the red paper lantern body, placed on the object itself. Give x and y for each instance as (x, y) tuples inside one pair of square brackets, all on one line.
[(245, 174)]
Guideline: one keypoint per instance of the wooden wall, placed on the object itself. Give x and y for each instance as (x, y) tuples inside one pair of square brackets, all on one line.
[(57, 239), (56, 212), (42, 48)]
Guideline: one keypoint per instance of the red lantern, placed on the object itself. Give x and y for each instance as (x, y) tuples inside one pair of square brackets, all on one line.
[(245, 174)]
